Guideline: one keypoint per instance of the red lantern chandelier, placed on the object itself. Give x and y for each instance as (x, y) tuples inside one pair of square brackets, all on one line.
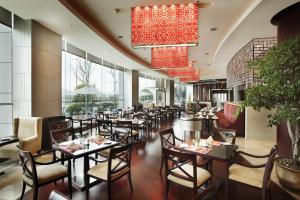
[(175, 25), (169, 57), (183, 72), (190, 79)]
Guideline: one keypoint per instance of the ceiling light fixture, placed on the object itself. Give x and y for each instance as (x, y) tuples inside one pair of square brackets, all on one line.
[(169, 57), (164, 26)]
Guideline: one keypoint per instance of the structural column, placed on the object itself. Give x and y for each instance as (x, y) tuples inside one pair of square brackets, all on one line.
[(131, 88), (170, 92)]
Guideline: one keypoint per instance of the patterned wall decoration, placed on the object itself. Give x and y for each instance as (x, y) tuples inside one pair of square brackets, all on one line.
[(164, 25), (237, 71), (169, 57)]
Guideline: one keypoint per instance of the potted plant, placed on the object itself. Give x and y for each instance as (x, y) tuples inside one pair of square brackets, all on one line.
[(279, 71)]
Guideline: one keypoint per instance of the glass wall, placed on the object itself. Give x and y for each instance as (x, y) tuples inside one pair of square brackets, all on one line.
[(88, 86), (6, 106), (180, 94), (147, 91)]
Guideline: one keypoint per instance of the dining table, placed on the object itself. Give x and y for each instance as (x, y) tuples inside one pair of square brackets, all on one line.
[(8, 161), (219, 154), (79, 148)]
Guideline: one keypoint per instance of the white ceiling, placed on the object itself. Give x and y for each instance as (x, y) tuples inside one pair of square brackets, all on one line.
[(238, 21)]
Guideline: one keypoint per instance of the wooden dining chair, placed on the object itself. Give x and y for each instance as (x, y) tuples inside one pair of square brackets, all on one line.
[(122, 140), (181, 168), (115, 167), (223, 134), (256, 176), (105, 128), (124, 127), (36, 174), (167, 139), (62, 131)]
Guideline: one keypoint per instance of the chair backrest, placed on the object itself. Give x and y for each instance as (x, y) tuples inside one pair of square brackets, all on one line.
[(121, 154), (100, 115), (174, 160), (27, 127), (61, 131), (28, 165), (124, 124), (167, 137), (120, 113), (105, 126), (268, 170)]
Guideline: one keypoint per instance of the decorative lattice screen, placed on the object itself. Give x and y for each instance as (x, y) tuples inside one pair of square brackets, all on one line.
[(237, 71)]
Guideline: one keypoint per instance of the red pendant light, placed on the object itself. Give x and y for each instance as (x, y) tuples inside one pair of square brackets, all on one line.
[(171, 57), (183, 72), (164, 25), (189, 79)]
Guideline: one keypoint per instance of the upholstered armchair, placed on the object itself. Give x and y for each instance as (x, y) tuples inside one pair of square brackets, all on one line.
[(29, 132)]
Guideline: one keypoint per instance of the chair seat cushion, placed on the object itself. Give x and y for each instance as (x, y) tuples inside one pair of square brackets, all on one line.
[(104, 153), (47, 173), (100, 170), (246, 175), (202, 176)]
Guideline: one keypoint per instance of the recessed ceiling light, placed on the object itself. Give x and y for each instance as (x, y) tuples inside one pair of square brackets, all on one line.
[(213, 29), (120, 36)]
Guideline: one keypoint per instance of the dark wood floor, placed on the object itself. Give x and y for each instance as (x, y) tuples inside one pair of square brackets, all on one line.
[(148, 184)]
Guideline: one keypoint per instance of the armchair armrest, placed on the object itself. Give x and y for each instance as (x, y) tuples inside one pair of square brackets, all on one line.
[(32, 144), (252, 155), (249, 165), (176, 138)]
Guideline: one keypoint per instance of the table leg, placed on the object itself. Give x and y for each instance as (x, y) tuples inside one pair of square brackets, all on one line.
[(86, 167), (91, 126), (80, 123)]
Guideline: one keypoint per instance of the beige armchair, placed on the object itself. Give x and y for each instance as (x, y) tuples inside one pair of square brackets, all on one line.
[(29, 132)]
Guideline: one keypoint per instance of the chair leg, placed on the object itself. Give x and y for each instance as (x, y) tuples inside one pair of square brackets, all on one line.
[(130, 182), (23, 190), (35, 192), (162, 163), (226, 189), (70, 185), (167, 190), (109, 190)]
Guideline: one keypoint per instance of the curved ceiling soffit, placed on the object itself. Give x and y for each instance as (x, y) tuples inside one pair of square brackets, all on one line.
[(235, 25), (99, 29)]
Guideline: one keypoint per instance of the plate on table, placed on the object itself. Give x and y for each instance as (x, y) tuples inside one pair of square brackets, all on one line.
[(226, 143)]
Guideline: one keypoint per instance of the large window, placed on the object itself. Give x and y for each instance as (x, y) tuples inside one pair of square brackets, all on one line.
[(89, 87), (5, 80), (147, 91), (180, 94)]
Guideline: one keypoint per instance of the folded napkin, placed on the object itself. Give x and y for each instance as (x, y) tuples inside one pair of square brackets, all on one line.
[(216, 143), (98, 140), (71, 147), (184, 145)]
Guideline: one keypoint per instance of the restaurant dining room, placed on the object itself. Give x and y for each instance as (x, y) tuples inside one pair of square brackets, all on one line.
[(150, 100)]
